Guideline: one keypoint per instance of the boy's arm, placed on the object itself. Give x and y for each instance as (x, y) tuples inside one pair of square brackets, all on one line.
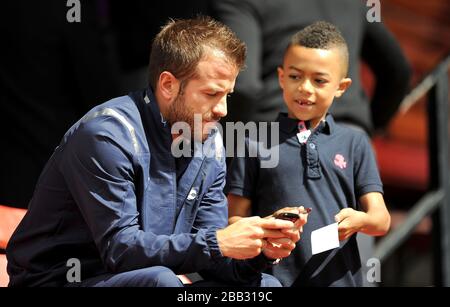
[(238, 207), (379, 219), (374, 220)]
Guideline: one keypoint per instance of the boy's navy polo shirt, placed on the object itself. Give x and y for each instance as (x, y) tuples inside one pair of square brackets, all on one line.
[(328, 173)]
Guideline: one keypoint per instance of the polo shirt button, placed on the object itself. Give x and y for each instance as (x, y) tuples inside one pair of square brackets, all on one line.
[(312, 145)]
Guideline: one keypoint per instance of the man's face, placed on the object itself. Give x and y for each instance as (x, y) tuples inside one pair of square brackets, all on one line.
[(310, 79), (205, 95)]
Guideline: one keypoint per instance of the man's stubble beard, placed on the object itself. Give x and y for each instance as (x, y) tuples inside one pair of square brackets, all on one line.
[(180, 112)]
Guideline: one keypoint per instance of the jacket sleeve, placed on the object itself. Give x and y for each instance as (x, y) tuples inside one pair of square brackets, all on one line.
[(213, 214), (98, 168)]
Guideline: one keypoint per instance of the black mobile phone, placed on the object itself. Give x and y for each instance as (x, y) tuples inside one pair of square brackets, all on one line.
[(289, 216)]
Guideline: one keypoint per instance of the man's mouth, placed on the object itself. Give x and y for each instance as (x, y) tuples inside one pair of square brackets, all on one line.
[(210, 122)]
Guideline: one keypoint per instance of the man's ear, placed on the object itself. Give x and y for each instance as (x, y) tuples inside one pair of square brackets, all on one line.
[(168, 86), (344, 84), (280, 76)]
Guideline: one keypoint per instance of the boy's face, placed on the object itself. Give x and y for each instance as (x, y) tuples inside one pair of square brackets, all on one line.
[(310, 79)]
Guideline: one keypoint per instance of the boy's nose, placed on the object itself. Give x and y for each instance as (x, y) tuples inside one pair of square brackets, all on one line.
[(306, 87)]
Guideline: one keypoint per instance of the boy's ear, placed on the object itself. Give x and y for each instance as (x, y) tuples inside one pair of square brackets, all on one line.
[(280, 76), (168, 86), (344, 84)]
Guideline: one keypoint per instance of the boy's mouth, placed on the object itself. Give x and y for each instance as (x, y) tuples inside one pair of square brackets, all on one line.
[(304, 102)]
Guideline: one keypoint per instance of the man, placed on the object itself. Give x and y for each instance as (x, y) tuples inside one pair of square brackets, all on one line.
[(114, 197)]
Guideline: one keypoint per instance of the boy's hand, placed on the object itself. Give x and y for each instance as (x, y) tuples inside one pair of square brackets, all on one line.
[(350, 221)]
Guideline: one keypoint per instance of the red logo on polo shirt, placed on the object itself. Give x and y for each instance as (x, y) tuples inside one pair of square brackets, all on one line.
[(340, 162)]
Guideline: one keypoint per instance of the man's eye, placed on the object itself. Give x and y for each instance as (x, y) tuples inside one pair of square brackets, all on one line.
[(294, 77), (321, 81), (211, 94)]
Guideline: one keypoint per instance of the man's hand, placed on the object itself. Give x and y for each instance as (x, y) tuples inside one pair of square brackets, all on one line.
[(282, 247), (245, 238)]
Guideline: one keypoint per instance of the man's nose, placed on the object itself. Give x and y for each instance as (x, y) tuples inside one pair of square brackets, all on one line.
[(220, 109)]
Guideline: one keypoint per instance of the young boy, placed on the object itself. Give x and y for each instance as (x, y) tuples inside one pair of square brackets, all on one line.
[(322, 165)]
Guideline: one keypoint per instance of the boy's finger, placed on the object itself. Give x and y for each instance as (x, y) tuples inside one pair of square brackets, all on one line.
[(342, 226), (340, 216), (344, 213)]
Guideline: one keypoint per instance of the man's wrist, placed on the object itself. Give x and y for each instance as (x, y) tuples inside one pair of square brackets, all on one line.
[(212, 241), (271, 261)]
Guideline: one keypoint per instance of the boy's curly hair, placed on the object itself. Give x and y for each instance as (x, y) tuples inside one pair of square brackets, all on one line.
[(321, 35)]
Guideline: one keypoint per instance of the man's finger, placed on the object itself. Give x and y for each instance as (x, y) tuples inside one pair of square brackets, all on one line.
[(264, 243), (293, 234), (272, 233), (280, 246), (280, 242), (275, 224)]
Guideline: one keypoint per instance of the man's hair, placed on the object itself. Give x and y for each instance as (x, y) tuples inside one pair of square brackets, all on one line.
[(180, 45), (322, 35)]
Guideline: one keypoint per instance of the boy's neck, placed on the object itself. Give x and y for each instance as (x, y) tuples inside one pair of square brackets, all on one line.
[(314, 125), (310, 125), (303, 125)]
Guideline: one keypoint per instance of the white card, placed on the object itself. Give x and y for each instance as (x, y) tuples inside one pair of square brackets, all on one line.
[(324, 238)]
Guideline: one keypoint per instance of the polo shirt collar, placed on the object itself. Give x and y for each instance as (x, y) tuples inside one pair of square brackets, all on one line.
[(289, 125)]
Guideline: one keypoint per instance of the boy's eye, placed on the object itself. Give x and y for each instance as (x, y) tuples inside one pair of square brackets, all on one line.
[(211, 94), (321, 81), (294, 77)]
